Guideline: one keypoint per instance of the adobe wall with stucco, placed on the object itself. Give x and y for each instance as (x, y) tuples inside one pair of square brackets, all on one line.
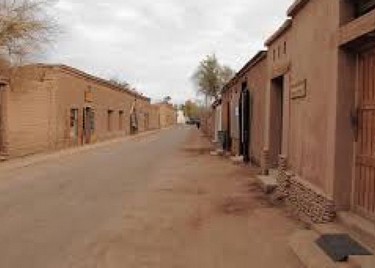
[(31, 113), (167, 115), (39, 101), (257, 79), (279, 64), (314, 57), (153, 111), (70, 94)]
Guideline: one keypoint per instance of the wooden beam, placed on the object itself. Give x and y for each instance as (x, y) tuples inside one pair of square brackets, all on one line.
[(357, 28)]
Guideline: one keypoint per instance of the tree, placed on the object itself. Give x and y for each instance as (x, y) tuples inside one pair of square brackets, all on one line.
[(119, 83), (210, 77), (167, 99), (24, 26), (192, 110)]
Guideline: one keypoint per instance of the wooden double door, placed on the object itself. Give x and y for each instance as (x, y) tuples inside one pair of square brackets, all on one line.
[(364, 181)]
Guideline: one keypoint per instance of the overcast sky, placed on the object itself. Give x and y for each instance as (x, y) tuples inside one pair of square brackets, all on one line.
[(156, 44)]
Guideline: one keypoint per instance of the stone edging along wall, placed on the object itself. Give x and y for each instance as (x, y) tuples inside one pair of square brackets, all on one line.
[(305, 200)]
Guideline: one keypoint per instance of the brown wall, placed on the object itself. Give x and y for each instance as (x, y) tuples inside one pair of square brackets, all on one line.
[(257, 84), (39, 104), (314, 58), (31, 113), (167, 115), (254, 73)]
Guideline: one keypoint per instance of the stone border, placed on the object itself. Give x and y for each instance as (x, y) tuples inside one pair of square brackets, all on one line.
[(303, 199)]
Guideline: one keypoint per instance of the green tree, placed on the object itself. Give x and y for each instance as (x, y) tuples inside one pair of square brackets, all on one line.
[(192, 109), (210, 77)]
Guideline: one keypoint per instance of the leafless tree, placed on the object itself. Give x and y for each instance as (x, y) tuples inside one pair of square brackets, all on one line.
[(24, 26), (120, 83)]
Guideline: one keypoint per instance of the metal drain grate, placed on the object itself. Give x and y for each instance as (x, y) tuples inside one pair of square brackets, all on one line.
[(340, 246)]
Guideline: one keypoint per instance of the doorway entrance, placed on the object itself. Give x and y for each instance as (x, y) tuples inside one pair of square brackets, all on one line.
[(245, 123), (88, 125), (276, 127), (364, 182), (74, 129), (2, 127)]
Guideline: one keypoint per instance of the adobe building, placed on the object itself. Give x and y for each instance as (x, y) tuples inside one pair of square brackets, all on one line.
[(50, 107), (167, 115), (243, 109), (320, 117)]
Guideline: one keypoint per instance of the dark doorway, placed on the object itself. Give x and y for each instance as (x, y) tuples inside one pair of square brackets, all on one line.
[(88, 125), (277, 109), (74, 126), (245, 122), (228, 144)]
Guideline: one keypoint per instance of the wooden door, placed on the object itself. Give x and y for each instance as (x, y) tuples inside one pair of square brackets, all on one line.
[(364, 184), (1, 121), (74, 129), (87, 125)]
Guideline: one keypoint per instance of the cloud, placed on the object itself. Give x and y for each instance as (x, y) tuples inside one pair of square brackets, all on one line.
[(156, 45)]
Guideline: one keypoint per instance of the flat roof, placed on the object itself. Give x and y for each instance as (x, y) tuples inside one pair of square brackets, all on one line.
[(286, 25), (261, 55), (93, 78), (296, 7)]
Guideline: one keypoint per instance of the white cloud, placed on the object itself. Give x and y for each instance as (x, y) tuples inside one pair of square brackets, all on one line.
[(156, 45)]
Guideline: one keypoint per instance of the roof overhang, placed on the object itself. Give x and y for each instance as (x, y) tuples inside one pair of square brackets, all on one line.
[(286, 25), (296, 7)]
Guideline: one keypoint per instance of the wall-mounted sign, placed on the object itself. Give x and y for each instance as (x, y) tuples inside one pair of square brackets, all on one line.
[(89, 96), (298, 90)]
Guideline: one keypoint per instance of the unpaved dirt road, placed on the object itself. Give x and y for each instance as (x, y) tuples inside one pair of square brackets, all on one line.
[(154, 201)]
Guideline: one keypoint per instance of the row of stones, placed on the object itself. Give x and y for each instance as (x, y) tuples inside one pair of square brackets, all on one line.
[(301, 198)]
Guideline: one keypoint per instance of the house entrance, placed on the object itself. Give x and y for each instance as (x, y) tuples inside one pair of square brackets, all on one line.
[(2, 128), (276, 128), (88, 125), (74, 126), (245, 122), (364, 182)]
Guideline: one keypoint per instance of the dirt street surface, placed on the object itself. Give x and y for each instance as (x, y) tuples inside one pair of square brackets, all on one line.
[(155, 201)]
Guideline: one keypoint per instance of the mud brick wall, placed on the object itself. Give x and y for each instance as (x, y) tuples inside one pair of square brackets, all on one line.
[(302, 198)]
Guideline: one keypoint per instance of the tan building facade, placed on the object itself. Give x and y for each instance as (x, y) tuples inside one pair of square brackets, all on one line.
[(320, 112), (167, 115), (243, 109), (50, 107)]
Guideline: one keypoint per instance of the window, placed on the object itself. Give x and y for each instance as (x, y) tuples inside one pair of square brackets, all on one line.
[(109, 120), (274, 55), (278, 52), (120, 120)]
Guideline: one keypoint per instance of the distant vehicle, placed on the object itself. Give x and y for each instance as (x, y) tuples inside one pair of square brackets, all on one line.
[(193, 121)]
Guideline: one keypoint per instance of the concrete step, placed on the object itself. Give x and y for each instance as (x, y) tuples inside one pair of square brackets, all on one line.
[(303, 245), (362, 261), (237, 159), (218, 152), (361, 228), (268, 183)]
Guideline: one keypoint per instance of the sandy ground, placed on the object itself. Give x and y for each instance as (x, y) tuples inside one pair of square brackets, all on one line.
[(155, 201), (202, 212)]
